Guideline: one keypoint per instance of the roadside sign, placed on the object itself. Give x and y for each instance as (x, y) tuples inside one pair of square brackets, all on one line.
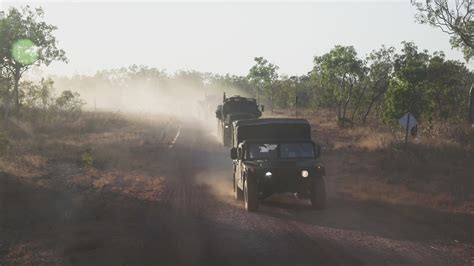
[(408, 121)]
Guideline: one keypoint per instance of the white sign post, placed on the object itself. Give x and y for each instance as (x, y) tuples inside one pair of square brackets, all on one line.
[(408, 122)]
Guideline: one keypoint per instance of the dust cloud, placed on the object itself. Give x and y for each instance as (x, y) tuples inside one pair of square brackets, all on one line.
[(172, 96)]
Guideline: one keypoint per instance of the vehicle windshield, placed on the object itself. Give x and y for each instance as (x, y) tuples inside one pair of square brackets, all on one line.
[(296, 150), (280, 150), (263, 151)]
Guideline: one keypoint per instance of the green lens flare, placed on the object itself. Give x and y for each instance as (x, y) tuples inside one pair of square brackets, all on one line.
[(24, 52)]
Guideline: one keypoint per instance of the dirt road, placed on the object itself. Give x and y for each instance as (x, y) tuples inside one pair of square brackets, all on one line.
[(191, 218)]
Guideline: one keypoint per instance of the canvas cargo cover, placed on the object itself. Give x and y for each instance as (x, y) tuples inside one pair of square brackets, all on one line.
[(271, 128)]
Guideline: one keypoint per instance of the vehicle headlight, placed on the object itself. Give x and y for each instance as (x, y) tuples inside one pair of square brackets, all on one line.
[(268, 174), (304, 173), (226, 126)]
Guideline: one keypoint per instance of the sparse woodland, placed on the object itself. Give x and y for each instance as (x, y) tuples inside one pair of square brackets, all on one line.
[(86, 183), (366, 93)]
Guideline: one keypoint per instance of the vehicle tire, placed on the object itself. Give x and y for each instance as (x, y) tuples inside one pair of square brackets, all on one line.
[(238, 193), (250, 195), (318, 193)]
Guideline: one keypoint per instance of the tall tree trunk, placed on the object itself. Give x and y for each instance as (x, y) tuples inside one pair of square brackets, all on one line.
[(346, 103), (271, 97), (471, 105), (359, 100), (339, 109), (271, 102), (6, 107), (16, 81), (372, 101)]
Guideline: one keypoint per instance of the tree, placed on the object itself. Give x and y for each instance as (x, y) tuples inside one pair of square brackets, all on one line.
[(379, 76), (285, 91), (457, 22), (69, 101), (27, 41), (38, 95), (448, 87), (264, 74), (408, 87), (5, 79), (340, 70), (427, 85)]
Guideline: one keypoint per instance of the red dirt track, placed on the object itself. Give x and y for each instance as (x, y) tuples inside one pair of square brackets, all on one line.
[(179, 210)]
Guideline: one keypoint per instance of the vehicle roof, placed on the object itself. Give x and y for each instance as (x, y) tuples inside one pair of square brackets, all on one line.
[(270, 121), (271, 128), (270, 140), (237, 98)]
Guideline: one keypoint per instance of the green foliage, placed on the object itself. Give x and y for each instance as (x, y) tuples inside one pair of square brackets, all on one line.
[(340, 71), (380, 71), (26, 40), (448, 85), (41, 104), (427, 85), (26, 25), (69, 101), (383, 85), (263, 75), (457, 22), (87, 160), (37, 95), (385, 82), (402, 97)]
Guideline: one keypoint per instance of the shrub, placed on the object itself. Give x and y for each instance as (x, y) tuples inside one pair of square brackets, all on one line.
[(87, 159)]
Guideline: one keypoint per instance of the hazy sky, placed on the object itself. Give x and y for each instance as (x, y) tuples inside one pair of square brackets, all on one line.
[(225, 37)]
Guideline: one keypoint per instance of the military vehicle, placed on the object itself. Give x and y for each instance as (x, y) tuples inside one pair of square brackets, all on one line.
[(275, 155), (233, 109)]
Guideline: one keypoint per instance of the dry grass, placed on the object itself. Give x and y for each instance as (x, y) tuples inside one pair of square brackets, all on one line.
[(48, 192), (122, 151), (372, 163)]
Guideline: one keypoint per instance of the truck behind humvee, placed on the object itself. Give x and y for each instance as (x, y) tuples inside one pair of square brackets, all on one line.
[(276, 156), (233, 109)]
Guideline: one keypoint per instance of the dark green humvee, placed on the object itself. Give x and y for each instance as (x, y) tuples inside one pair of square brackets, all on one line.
[(276, 156)]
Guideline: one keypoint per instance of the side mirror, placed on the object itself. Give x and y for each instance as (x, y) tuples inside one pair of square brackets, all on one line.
[(233, 153), (262, 108)]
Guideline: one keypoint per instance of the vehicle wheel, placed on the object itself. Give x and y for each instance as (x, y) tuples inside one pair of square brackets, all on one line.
[(318, 193), (250, 195), (238, 193)]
